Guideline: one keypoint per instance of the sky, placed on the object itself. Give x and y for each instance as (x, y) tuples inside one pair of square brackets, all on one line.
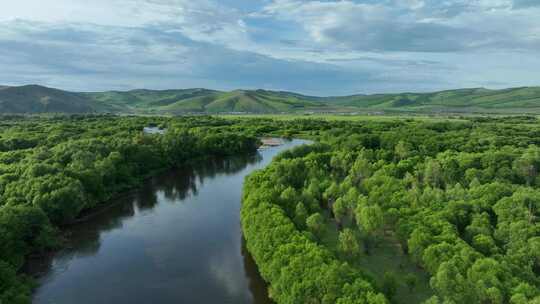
[(320, 47)]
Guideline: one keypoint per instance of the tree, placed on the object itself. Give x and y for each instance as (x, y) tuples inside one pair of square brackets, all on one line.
[(371, 220), (528, 164), (348, 244), (433, 173), (331, 194), (485, 244), (451, 284), (341, 162), (340, 211), (300, 215), (289, 199), (419, 239), (351, 197), (530, 199), (480, 224), (23, 229), (360, 170), (402, 150), (315, 223), (487, 277), (314, 189), (13, 289), (61, 198), (437, 254)]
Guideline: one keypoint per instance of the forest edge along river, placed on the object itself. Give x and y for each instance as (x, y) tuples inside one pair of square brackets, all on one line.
[(177, 239)]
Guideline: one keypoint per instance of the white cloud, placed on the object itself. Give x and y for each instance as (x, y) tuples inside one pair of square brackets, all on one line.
[(329, 46), (200, 20), (100, 12), (419, 26)]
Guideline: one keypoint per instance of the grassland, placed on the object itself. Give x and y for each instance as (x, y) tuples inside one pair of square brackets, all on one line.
[(385, 257), (346, 117)]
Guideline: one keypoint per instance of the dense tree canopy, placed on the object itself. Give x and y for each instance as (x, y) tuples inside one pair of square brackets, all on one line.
[(457, 199)]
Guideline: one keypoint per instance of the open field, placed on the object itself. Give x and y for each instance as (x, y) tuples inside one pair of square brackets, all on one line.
[(345, 117)]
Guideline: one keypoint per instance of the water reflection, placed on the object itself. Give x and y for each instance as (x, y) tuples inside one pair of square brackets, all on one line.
[(256, 283), (176, 240)]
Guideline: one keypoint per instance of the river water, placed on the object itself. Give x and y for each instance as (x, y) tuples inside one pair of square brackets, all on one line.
[(176, 240)]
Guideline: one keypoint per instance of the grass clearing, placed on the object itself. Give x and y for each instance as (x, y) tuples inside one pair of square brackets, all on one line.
[(388, 256), (385, 256)]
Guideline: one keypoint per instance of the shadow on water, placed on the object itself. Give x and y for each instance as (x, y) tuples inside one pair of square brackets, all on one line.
[(256, 284), (145, 250), (181, 183)]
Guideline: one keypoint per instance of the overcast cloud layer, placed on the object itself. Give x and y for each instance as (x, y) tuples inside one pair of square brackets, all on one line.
[(315, 47)]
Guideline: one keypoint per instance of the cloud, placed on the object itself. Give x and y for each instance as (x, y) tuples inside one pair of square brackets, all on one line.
[(411, 26), (200, 20), (315, 47), (100, 12), (152, 57), (525, 3)]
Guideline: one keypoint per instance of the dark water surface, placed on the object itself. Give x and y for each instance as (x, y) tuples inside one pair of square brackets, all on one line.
[(176, 240)]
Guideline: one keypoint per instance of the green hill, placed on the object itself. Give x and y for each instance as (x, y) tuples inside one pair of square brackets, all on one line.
[(39, 99), (201, 100), (141, 100), (518, 100), (248, 101)]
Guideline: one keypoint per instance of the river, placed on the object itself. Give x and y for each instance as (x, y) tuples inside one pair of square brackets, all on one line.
[(175, 240)]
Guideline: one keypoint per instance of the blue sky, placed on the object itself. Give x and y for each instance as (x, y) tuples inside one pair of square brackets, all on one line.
[(315, 47)]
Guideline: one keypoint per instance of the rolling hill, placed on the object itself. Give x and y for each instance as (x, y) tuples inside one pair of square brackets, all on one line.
[(518, 100), (203, 100), (39, 99)]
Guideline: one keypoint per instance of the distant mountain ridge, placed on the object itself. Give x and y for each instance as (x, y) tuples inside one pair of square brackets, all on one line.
[(33, 99), (38, 99)]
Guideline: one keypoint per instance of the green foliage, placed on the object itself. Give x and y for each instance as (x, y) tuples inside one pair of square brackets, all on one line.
[(370, 218), (348, 243), (301, 215), (528, 164), (315, 223), (13, 289), (459, 198)]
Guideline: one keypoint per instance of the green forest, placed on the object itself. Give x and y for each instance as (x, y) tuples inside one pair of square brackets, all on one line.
[(373, 211), (401, 212)]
